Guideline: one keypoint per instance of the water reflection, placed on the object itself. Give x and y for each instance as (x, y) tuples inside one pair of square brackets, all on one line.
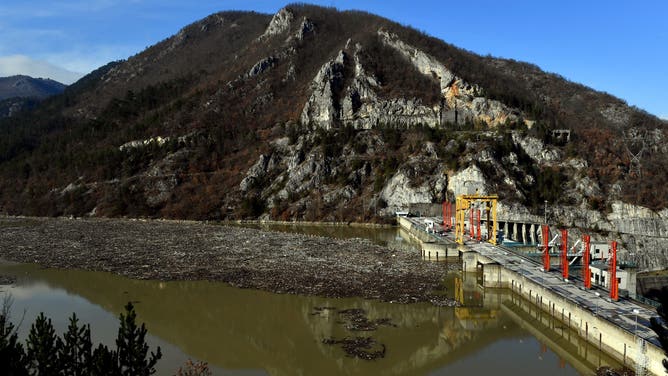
[(253, 332)]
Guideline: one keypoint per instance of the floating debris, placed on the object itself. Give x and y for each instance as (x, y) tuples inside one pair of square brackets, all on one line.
[(365, 348), (242, 257), (357, 320)]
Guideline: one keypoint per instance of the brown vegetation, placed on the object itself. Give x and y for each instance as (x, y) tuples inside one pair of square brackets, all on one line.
[(192, 88)]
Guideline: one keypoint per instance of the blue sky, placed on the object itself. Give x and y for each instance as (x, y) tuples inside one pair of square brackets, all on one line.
[(620, 47)]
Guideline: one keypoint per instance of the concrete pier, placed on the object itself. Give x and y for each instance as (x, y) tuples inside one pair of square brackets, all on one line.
[(618, 328), (433, 247)]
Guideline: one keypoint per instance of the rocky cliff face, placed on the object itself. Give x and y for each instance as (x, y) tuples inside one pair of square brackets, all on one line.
[(314, 114), (463, 101), (360, 105), (344, 93)]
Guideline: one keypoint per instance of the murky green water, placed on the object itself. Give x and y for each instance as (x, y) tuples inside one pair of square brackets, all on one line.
[(247, 332)]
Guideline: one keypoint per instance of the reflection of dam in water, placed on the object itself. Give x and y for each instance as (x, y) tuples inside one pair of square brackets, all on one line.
[(485, 305), (242, 330)]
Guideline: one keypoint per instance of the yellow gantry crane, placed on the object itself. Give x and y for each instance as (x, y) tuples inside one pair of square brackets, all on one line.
[(466, 203)]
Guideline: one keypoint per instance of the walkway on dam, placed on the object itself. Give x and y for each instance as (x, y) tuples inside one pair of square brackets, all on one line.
[(596, 300)]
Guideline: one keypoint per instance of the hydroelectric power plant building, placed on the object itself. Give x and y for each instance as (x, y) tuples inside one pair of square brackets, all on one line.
[(585, 289)]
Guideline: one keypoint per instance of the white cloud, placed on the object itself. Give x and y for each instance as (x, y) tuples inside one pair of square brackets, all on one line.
[(21, 64), (83, 58), (664, 117)]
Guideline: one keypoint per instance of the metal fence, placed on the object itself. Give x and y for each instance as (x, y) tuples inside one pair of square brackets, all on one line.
[(648, 301)]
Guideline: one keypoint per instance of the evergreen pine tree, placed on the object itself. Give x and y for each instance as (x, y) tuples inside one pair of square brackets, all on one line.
[(42, 349), (75, 349), (12, 355), (104, 362), (132, 347)]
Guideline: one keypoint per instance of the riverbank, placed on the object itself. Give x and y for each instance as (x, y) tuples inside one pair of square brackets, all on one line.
[(243, 257)]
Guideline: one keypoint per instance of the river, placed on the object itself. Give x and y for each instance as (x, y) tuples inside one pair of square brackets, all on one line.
[(248, 332)]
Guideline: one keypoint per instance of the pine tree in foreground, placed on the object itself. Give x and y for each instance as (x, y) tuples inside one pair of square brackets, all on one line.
[(75, 349), (72, 354), (132, 347), (12, 354), (41, 345)]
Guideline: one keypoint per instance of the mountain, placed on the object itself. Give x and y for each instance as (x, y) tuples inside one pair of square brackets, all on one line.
[(13, 106), (317, 114), (19, 93), (28, 87)]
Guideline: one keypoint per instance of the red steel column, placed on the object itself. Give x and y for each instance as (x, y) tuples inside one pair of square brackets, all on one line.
[(479, 232), (445, 224), (614, 287), (546, 248), (586, 272), (449, 211), (564, 253), (471, 222)]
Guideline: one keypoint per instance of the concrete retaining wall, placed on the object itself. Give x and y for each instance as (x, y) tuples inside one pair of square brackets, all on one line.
[(606, 336), (430, 249)]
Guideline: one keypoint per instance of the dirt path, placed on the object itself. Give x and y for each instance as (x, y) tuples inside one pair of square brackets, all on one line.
[(248, 258)]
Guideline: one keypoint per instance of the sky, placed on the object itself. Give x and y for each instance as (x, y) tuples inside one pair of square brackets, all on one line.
[(620, 47)]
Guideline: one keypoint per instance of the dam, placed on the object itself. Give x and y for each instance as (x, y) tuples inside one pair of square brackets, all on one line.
[(619, 328)]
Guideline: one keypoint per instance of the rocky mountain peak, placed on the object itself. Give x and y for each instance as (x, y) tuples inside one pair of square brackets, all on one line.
[(280, 23)]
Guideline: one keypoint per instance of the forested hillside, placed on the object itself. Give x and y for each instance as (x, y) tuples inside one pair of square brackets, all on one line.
[(318, 114)]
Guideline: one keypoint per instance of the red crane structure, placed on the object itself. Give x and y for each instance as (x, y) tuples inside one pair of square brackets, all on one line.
[(546, 248), (564, 253), (614, 286), (586, 259)]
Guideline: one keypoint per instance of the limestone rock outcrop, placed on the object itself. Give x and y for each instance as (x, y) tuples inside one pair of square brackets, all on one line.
[(411, 185), (279, 24), (464, 101), (361, 107), (425, 63), (320, 108), (262, 65), (468, 181), (536, 149), (398, 193)]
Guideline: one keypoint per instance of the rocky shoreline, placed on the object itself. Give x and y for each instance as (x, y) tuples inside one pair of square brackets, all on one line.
[(243, 257)]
